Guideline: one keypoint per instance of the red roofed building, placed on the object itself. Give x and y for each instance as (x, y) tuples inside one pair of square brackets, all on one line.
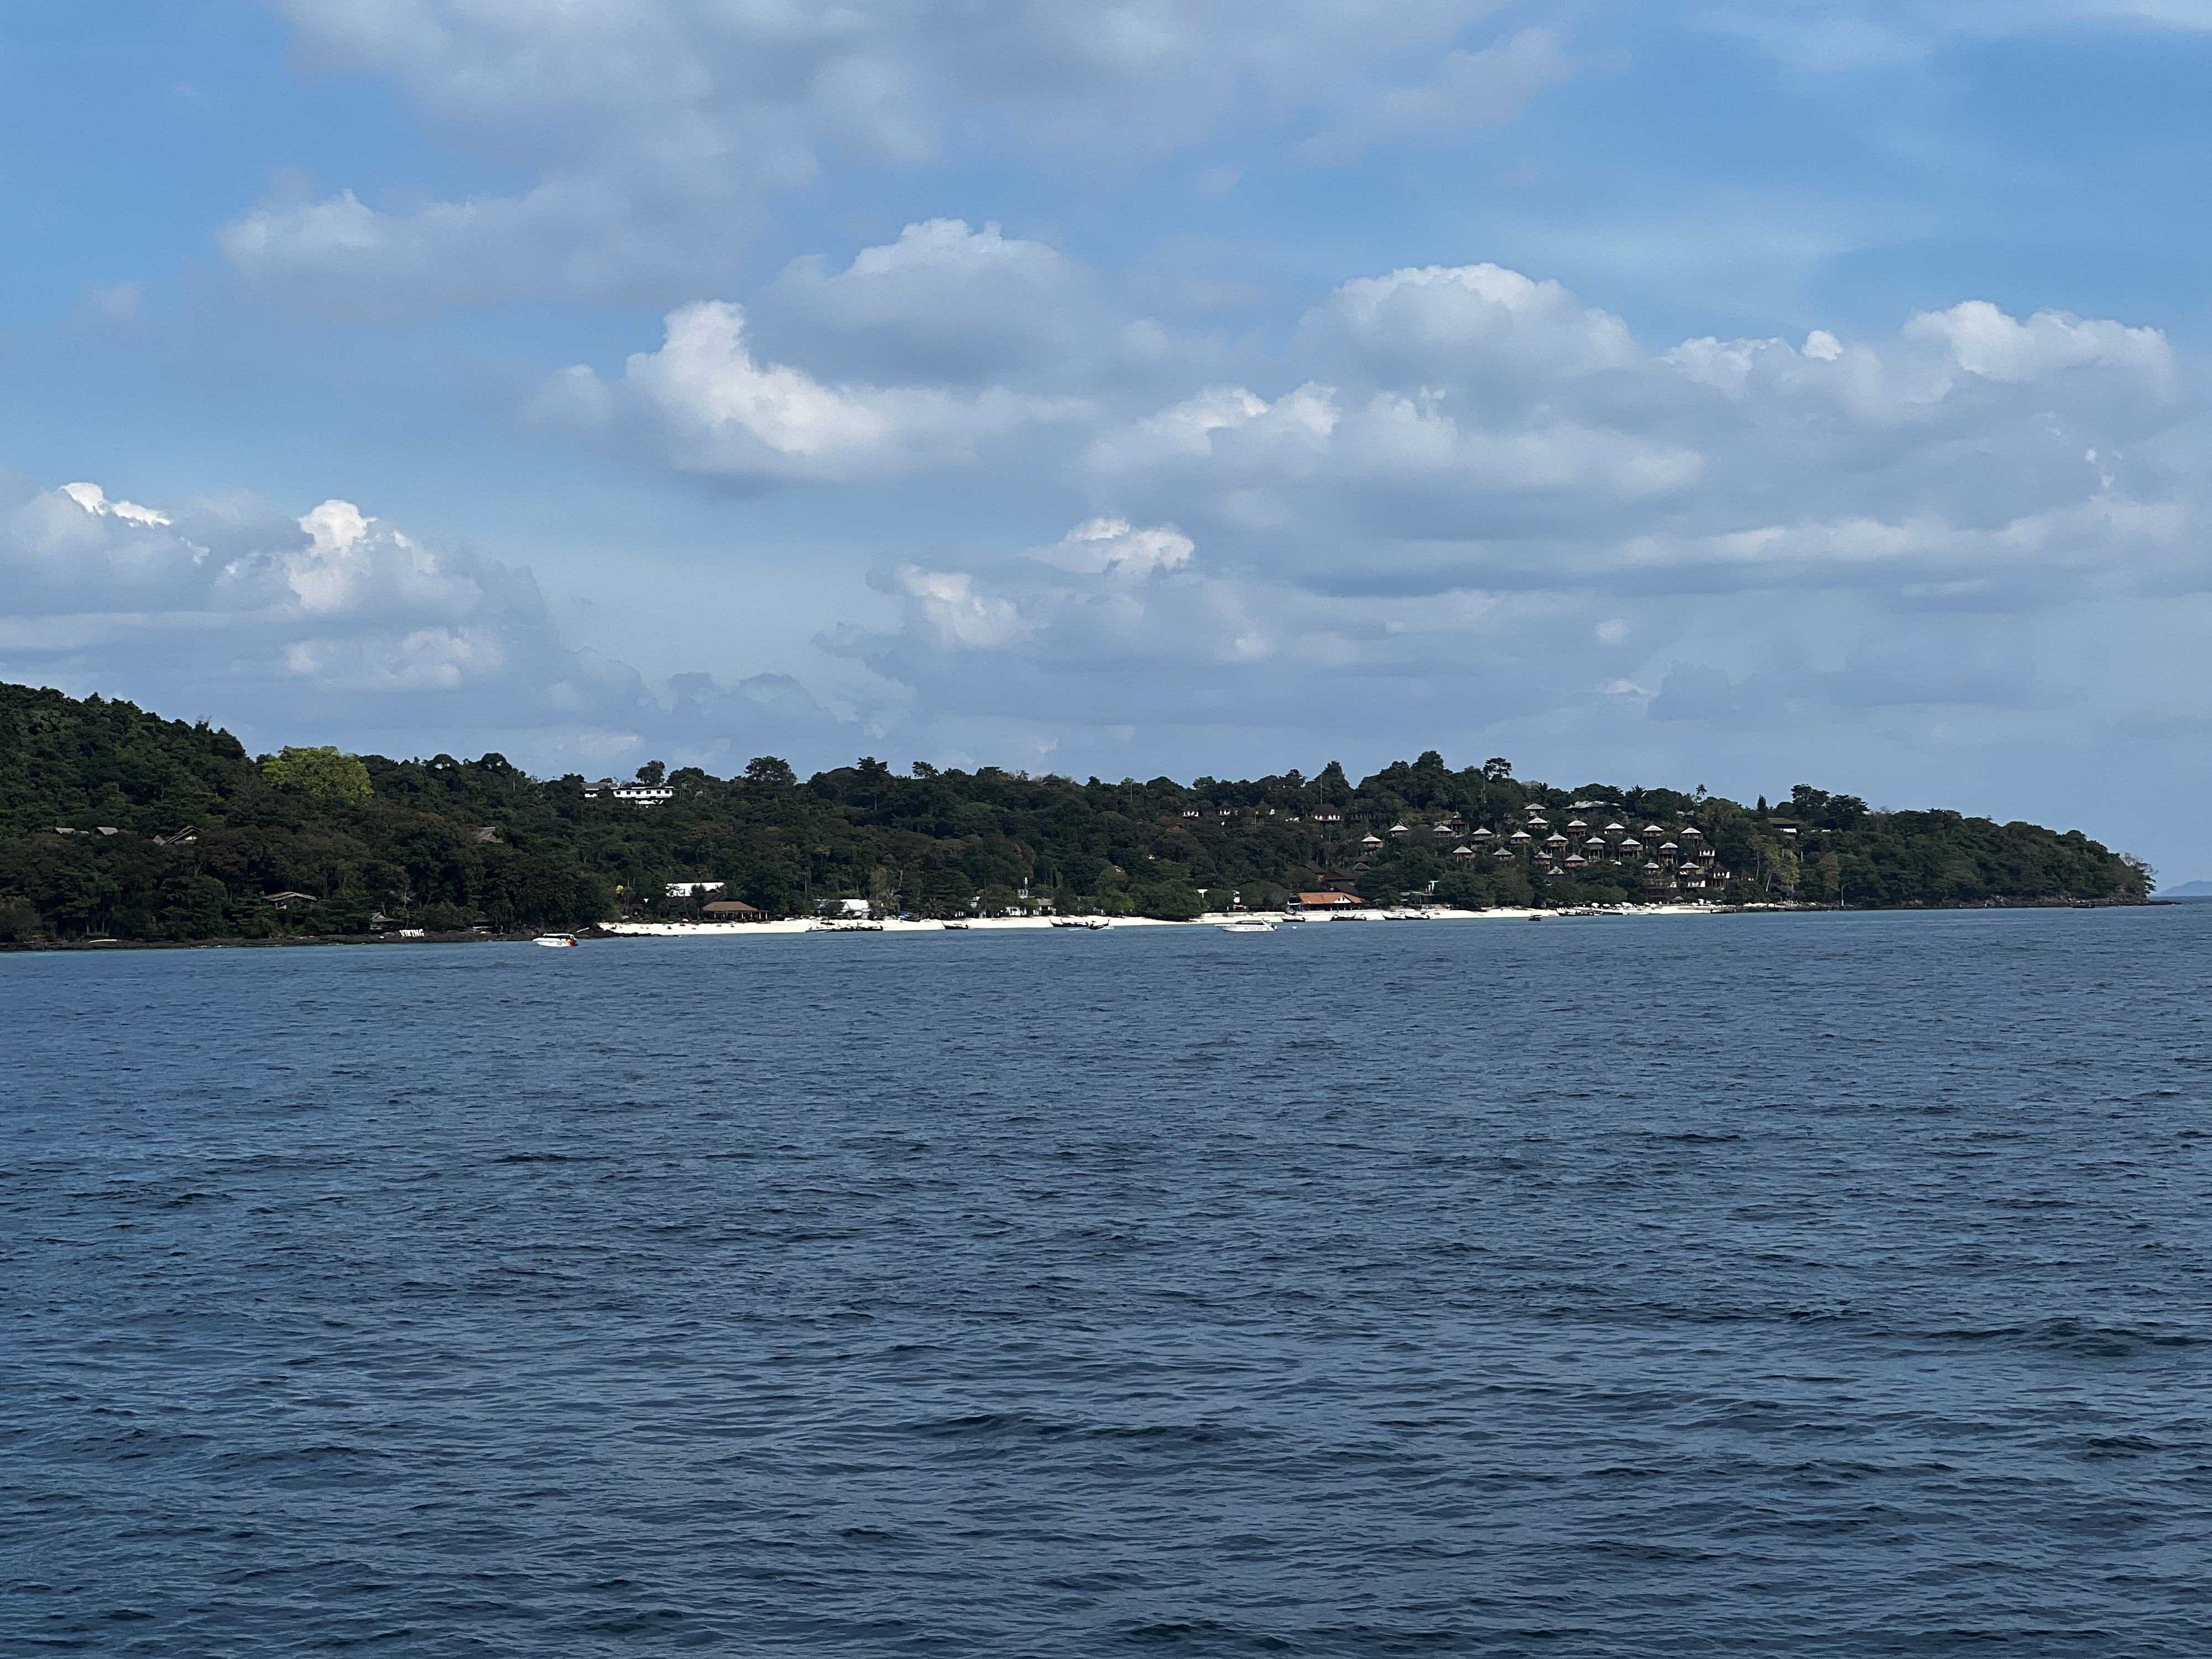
[(1326, 902)]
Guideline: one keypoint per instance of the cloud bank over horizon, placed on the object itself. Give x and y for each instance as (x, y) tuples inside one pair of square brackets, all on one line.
[(1754, 396), (1455, 493)]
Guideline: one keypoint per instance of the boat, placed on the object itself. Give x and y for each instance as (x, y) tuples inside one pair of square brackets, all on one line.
[(855, 926), (955, 927), (556, 941), (1246, 925), (1089, 924)]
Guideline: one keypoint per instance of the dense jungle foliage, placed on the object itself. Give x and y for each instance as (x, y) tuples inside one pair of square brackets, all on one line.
[(116, 823)]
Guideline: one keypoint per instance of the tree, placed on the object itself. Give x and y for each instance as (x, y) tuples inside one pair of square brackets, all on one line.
[(1782, 864), (325, 773), (1497, 768), (652, 773), (883, 891), (767, 772)]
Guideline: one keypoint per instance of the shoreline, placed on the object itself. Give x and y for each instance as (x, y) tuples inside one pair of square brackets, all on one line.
[(791, 927), (1115, 924)]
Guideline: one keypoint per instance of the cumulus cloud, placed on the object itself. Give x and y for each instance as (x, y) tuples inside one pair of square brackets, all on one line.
[(654, 129), (943, 303), (1440, 471), (1476, 427), (1113, 546), (336, 622), (705, 401)]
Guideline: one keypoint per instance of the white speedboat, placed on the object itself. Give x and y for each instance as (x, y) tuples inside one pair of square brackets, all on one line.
[(855, 926), (954, 927), (1246, 925), (556, 941)]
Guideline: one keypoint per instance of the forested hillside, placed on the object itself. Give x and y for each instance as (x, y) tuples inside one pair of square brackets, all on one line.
[(115, 822)]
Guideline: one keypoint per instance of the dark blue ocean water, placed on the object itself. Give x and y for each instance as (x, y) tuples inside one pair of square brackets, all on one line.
[(1790, 1285)]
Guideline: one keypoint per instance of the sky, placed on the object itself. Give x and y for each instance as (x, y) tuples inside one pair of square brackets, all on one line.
[(1728, 393)]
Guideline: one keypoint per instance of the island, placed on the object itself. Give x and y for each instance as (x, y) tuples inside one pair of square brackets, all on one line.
[(119, 825)]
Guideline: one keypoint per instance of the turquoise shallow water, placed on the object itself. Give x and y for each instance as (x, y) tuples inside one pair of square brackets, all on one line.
[(1808, 1285)]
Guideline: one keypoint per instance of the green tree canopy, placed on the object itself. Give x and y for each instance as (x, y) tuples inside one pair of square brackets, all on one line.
[(114, 820), (325, 772)]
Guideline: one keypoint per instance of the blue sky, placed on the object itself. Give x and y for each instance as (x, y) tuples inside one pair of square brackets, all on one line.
[(1738, 394)]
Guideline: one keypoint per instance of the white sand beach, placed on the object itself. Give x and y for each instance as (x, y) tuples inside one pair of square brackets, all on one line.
[(714, 930)]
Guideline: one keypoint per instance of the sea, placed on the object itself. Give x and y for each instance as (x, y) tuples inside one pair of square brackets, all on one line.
[(1826, 1284)]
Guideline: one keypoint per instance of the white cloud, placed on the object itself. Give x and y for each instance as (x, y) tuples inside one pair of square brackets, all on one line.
[(335, 622), (1112, 546), (960, 618), (716, 410), (1436, 449), (943, 303), (94, 500), (1982, 340)]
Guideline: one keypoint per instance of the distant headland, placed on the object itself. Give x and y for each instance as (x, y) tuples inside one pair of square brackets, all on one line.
[(115, 823)]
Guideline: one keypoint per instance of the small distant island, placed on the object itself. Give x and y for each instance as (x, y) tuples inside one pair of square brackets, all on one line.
[(117, 824)]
